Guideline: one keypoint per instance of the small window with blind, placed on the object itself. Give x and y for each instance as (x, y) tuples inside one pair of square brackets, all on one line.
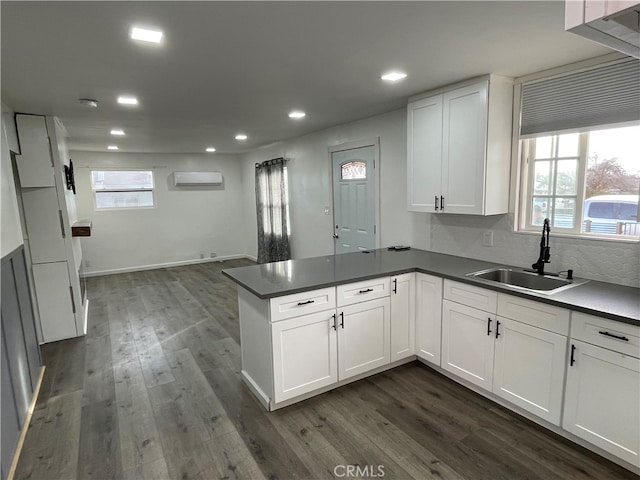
[(580, 146), (122, 189)]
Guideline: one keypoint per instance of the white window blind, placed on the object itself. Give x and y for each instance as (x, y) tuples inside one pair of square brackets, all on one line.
[(600, 96)]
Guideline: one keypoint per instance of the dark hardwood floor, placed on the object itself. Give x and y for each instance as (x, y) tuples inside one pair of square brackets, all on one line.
[(154, 392)]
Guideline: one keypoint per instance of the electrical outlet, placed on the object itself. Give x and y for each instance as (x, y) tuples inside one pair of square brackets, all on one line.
[(326, 210), (87, 263), (487, 239), (201, 255), (212, 255)]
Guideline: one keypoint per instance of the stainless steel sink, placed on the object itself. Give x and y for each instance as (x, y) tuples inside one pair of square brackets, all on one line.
[(523, 280)]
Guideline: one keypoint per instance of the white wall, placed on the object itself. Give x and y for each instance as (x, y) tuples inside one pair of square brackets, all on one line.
[(224, 221), (11, 231), (606, 261), (309, 169), (185, 222)]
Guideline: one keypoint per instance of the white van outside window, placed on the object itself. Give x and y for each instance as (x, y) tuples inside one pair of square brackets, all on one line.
[(617, 214)]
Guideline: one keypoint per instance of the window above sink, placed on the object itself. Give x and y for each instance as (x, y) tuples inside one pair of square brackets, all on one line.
[(579, 156)]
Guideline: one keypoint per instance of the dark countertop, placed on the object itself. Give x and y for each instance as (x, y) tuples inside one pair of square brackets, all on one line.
[(269, 280)]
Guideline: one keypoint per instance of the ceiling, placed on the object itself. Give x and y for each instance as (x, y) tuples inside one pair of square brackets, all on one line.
[(230, 67)]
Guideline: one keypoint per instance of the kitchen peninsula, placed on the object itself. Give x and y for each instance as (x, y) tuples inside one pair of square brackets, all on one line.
[(314, 324)]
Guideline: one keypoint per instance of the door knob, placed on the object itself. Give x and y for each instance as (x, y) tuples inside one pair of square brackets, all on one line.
[(335, 235)]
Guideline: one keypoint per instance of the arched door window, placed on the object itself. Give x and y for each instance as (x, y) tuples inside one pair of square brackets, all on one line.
[(354, 170)]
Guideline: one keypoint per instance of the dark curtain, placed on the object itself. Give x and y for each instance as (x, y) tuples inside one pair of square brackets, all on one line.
[(272, 207)]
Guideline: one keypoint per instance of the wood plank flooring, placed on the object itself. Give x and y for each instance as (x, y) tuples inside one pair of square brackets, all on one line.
[(154, 392)]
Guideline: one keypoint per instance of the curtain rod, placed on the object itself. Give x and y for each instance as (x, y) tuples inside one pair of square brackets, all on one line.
[(271, 162)]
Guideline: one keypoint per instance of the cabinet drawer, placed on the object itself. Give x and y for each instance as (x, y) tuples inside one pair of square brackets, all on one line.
[(618, 336), (471, 296), (303, 303), (362, 291), (534, 313)]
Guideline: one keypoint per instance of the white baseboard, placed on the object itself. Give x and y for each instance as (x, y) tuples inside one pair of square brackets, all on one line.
[(140, 268)]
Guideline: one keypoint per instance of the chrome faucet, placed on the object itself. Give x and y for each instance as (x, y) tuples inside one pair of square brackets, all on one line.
[(545, 254)]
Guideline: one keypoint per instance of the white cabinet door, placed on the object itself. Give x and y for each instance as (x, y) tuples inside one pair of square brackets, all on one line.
[(44, 225), (424, 153), (468, 343), (428, 317), (464, 149), (529, 368), (363, 337), (403, 303), (602, 398), (304, 354), (55, 302), (35, 165)]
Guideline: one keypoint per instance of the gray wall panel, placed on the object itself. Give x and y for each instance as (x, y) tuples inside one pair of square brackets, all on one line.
[(20, 353), (8, 414), (14, 342), (28, 319)]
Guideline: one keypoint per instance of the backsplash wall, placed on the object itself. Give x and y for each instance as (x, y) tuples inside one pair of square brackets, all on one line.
[(462, 235)]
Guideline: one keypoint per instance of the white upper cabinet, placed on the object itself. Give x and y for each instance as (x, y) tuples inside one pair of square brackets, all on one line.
[(459, 149), (424, 130), (612, 23)]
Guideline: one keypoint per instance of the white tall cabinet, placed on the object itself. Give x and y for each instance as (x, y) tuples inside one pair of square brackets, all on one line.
[(459, 148), (49, 211)]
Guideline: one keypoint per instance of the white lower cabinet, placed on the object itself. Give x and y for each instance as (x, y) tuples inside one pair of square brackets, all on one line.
[(468, 343), (516, 360), (363, 337), (319, 349), (602, 399), (428, 317), (403, 302), (529, 366), (305, 354)]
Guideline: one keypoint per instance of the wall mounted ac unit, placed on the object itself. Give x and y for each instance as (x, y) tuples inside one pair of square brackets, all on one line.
[(196, 178)]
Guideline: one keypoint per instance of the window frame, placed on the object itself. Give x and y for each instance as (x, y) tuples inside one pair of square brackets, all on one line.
[(525, 182), (528, 187), (123, 190), (519, 168)]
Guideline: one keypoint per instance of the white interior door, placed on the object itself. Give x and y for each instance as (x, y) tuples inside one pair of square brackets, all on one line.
[(354, 197)]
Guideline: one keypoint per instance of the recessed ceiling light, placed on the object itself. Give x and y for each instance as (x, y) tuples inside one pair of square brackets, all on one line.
[(88, 102), (210, 149), (146, 35), (117, 131), (297, 114), (112, 147), (393, 76), (124, 100), (241, 136)]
